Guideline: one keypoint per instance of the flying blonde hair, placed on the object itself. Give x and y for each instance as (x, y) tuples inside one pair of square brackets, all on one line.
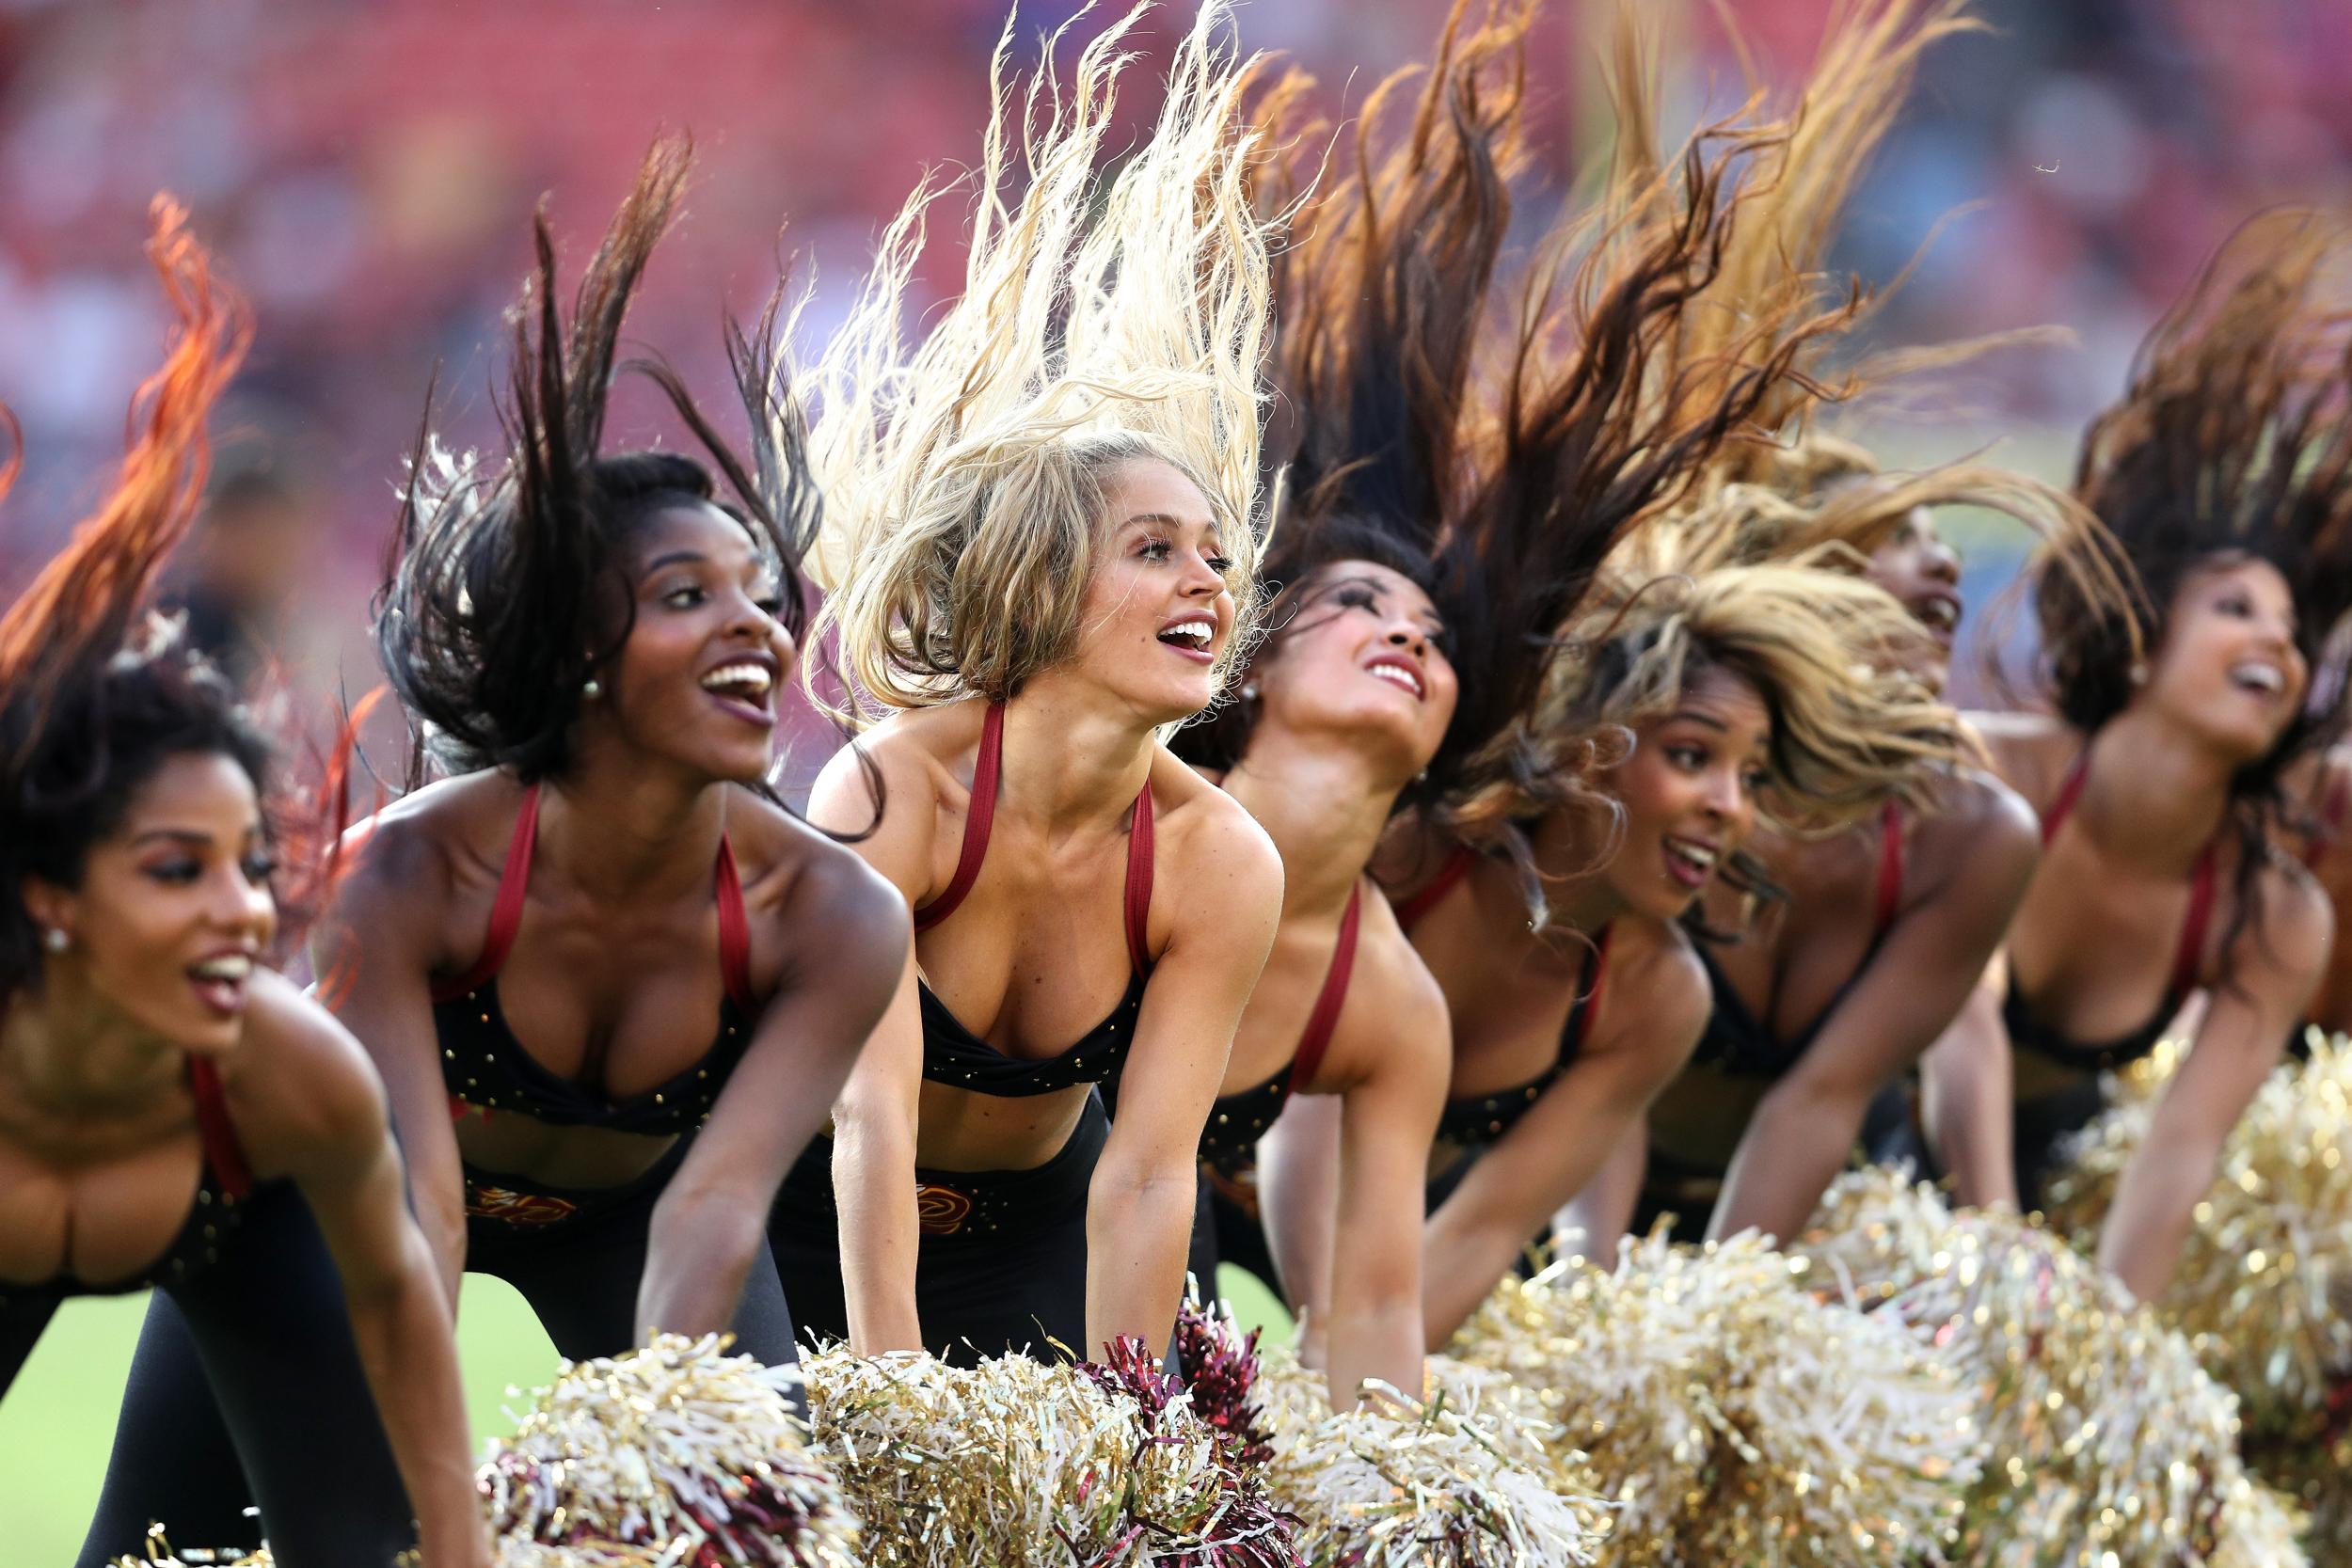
[(1100, 320)]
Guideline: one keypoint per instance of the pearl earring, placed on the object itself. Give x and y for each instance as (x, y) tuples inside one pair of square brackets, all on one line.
[(1250, 692), (2139, 675), (56, 939), (591, 690)]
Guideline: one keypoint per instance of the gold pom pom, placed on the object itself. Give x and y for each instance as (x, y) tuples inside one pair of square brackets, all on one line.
[(1731, 1415), (1475, 1477), (679, 1448)]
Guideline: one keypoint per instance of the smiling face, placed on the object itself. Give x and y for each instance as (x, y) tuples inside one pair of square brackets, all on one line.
[(1688, 791), (1921, 571), (174, 906), (1159, 608), (1363, 652), (696, 683), (2228, 667)]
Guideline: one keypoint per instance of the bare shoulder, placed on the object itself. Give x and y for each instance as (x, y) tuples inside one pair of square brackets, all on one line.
[(2296, 926), (1393, 989), (1975, 817), (1656, 989), (428, 842), (2031, 751), (301, 1090), (1205, 830)]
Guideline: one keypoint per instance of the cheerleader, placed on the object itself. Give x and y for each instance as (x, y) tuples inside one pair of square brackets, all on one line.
[(1401, 653), (1865, 944), (173, 1114), (2223, 474), (610, 984), (1044, 546)]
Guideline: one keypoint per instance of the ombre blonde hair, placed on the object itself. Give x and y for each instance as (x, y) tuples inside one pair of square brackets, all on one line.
[(1824, 650), (1101, 321)]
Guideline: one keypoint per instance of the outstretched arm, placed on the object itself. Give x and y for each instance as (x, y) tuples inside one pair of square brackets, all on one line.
[(1913, 984), (1509, 1196), (1967, 1099), (2274, 965), (325, 1126), (846, 933), (1139, 1208), (874, 1116)]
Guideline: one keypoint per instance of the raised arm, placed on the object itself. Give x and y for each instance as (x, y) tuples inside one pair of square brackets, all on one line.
[(1912, 986), (874, 1116), (1373, 1328), (2273, 966), (844, 937), (321, 1120), (1510, 1195), (1226, 890), (373, 952)]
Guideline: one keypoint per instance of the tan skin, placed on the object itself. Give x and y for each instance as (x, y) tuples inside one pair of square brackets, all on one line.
[(1966, 862), (100, 1144), (1334, 742), (2327, 855), (619, 940), (1688, 783), (2092, 943), (1036, 955)]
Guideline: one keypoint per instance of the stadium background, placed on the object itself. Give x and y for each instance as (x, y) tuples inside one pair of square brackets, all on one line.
[(365, 169)]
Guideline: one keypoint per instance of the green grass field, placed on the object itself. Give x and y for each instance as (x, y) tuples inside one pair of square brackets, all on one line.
[(58, 1420)]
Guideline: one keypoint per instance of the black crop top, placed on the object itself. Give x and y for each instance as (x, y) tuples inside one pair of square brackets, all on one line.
[(485, 1066), (2028, 1033), (1737, 1041), (1229, 1142), (223, 1184), (953, 1054), (1480, 1119)]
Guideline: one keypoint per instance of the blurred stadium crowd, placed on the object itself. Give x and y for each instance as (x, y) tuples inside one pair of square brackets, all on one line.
[(364, 168)]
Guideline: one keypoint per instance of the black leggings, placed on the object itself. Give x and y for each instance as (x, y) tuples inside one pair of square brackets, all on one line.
[(258, 1344), (1001, 1265), (171, 1457)]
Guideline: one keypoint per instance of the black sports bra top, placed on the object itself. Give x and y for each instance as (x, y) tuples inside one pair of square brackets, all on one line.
[(1480, 1119), (1737, 1041), (2028, 1033), (953, 1054), (485, 1067), (1230, 1140), (223, 1182)]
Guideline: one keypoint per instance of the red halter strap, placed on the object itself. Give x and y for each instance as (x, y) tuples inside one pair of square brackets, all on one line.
[(215, 1132), (1316, 1038), (987, 769), (1457, 866), (506, 916), (2069, 791), (1890, 891), (2189, 958), (977, 818)]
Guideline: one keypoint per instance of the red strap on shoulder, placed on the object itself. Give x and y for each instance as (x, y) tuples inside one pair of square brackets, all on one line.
[(215, 1132), (2069, 791), (1890, 893), (734, 932), (978, 818), (1316, 1038), (2190, 959), (1457, 866), (507, 912), (1138, 899)]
